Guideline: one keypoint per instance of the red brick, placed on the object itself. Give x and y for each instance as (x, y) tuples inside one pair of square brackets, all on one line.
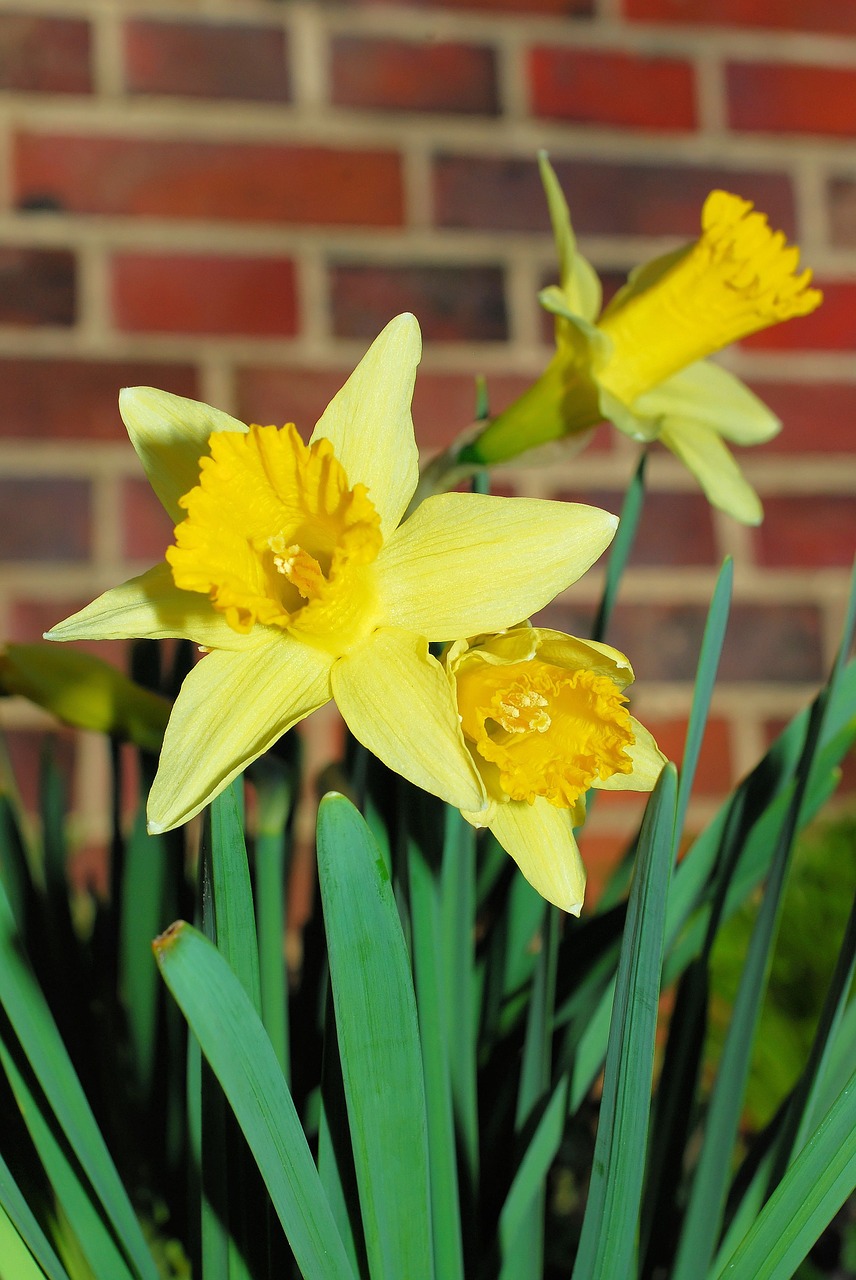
[(715, 774), (675, 528), (78, 399), (817, 417), (147, 530), (775, 643), (207, 60), (832, 327), (605, 197), (590, 86), (452, 304), (558, 8), (807, 530), (45, 519), (204, 293), (403, 75), (786, 98), (37, 287), (248, 182), (44, 55), (787, 15), (841, 202)]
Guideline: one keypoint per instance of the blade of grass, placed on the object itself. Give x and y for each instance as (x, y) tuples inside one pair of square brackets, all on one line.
[(234, 1042), (18, 1214), (40, 1042), (232, 895), (805, 1201), (378, 1034), (16, 1260), (622, 546), (275, 788), (142, 888)]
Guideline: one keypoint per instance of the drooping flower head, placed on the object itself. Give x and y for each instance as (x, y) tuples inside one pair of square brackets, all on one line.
[(545, 718), (642, 363), (293, 570)]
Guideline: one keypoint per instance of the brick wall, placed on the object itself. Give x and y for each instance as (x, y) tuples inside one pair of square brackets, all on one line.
[(229, 198)]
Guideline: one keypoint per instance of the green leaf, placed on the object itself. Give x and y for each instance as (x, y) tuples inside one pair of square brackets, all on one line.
[(805, 1201), (233, 1040), (622, 545), (379, 1047), (234, 914), (612, 1211), (143, 888), (16, 1260), (17, 1216)]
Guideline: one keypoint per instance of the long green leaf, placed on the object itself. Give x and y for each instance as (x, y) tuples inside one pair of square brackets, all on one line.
[(234, 914), (19, 1214), (805, 1201), (378, 1033), (16, 1260), (612, 1211), (622, 545), (233, 1040)]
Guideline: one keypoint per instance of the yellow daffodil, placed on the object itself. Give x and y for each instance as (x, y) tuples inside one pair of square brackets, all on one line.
[(641, 363), (292, 569), (544, 716)]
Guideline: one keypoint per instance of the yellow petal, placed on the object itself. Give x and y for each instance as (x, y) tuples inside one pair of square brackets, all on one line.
[(703, 452), (396, 700), (648, 761), (708, 394), (579, 281), (541, 841), (465, 563), (369, 424), (568, 651), (152, 606), (231, 708), (170, 435)]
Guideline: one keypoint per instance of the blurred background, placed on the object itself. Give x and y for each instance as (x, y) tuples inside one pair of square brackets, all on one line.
[(229, 198)]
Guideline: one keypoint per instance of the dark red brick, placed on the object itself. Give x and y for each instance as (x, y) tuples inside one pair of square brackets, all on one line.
[(207, 60), (832, 327), (147, 530), (788, 98), (78, 399), (45, 519), (452, 304), (204, 293), (770, 643), (403, 75), (785, 15), (590, 86), (605, 197), (715, 774), (817, 417), (37, 287), (807, 531), (44, 54), (556, 8), (250, 182), (675, 528)]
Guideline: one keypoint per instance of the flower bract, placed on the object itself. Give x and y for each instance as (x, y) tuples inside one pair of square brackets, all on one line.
[(294, 573), (641, 363), (544, 717)]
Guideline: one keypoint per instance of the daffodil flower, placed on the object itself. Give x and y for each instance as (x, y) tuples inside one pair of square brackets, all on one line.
[(545, 717), (641, 363), (291, 569)]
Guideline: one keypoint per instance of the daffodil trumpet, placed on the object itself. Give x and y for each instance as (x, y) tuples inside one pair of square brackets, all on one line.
[(293, 572), (545, 717), (641, 363)]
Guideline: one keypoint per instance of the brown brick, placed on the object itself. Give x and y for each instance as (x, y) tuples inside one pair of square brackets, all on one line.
[(405, 75), (557, 8), (831, 328), (147, 530), (788, 98), (817, 417), (207, 60), (44, 519), (605, 197), (37, 287), (841, 199), (775, 643), (589, 86), (807, 531), (452, 304), (786, 15), (675, 528), (44, 55), (211, 180), (204, 293), (78, 399)]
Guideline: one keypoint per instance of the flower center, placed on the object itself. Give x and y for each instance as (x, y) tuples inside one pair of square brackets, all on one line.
[(737, 278), (274, 535), (550, 731)]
